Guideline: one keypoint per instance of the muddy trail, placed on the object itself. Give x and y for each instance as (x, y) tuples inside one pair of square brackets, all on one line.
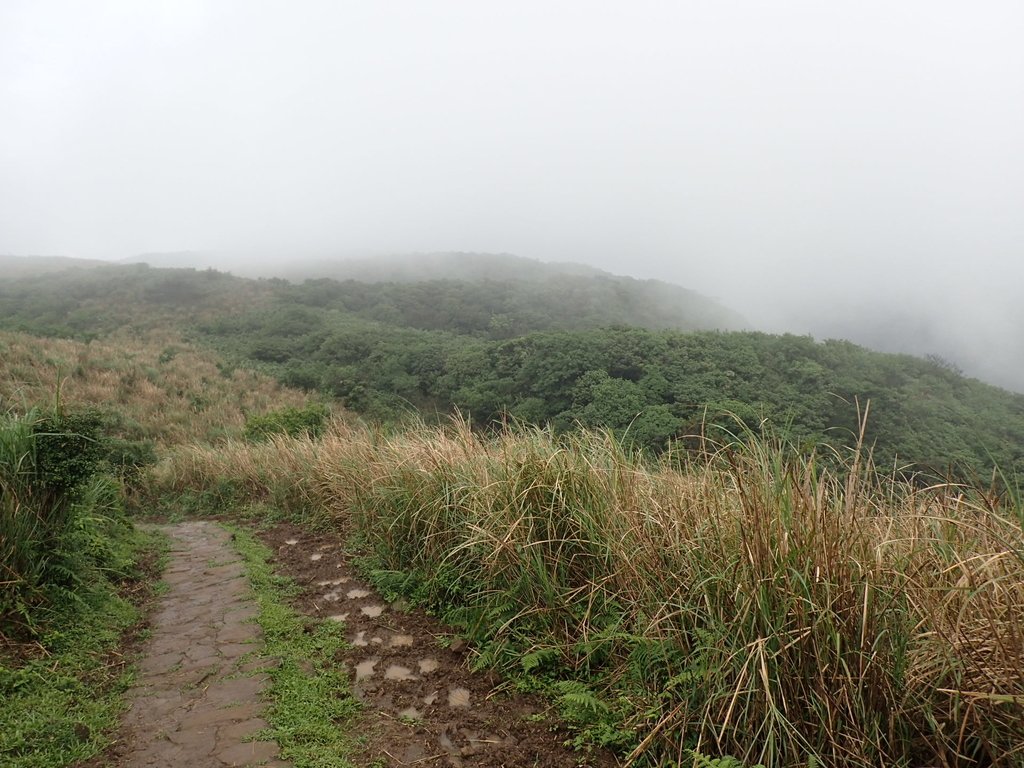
[(200, 698), (421, 703)]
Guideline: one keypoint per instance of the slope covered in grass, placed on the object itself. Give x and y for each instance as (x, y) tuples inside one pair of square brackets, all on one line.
[(153, 388)]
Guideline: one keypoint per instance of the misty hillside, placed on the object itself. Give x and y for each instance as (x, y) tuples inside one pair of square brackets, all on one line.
[(411, 267), (497, 283), (977, 335), (594, 351), (990, 345), (94, 300), (499, 296), (16, 267)]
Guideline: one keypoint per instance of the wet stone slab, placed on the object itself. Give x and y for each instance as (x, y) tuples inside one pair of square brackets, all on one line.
[(193, 704)]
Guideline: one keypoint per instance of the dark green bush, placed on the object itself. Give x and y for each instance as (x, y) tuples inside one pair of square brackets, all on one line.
[(128, 457), (69, 449)]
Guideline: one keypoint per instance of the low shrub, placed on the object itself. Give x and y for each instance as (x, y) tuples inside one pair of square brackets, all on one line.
[(294, 422)]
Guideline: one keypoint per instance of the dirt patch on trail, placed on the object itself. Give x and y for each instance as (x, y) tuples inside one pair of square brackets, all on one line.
[(422, 705)]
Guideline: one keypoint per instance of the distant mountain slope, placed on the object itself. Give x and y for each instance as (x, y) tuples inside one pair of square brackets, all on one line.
[(991, 347), (503, 309), (417, 267), (375, 268), (97, 300), (526, 294), (17, 267)]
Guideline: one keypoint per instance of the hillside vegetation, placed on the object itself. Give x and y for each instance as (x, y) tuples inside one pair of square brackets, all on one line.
[(14, 267), (564, 348), (86, 303)]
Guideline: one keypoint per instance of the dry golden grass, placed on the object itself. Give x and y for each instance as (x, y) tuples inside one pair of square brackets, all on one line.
[(752, 604), (161, 388)]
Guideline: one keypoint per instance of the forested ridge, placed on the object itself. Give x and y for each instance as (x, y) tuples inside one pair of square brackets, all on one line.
[(569, 349)]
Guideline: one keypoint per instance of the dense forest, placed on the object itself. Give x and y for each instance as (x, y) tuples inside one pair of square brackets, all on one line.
[(565, 348)]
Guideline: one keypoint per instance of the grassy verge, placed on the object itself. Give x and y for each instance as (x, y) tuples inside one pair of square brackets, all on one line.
[(62, 695), (312, 707)]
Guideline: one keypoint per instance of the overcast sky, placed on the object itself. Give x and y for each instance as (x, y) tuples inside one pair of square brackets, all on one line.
[(787, 157)]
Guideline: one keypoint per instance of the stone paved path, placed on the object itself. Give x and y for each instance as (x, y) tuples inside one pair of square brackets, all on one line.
[(191, 706)]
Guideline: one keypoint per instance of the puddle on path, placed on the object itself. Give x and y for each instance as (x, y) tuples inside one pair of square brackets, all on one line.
[(332, 597), (410, 713), (339, 617), (315, 556), (400, 641), (428, 665), (398, 672), (458, 697), (331, 582), (291, 542), (360, 640), (356, 594), (373, 611), (364, 669)]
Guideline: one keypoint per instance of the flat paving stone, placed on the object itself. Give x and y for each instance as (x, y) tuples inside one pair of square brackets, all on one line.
[(192, 705)]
